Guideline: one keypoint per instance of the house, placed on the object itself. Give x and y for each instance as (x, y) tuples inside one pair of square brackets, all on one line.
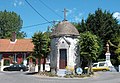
[(17, 51)]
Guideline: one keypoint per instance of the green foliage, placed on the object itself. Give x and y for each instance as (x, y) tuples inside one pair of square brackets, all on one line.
[(46, 47), (101, 24), (118, 51), (6, 62), (10, 22), (38, 42), (41, 43), (118, 58), (117, 46), (105, 26), (89, 47)]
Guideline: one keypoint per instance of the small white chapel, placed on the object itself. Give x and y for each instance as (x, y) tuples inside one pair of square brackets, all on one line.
[(64, 46)]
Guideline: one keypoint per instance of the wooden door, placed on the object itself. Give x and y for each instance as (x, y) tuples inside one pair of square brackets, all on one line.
[(63, 58)]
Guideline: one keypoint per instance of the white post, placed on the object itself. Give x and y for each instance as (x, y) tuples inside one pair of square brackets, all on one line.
[(2, 64), (41, 69), (24, 60), (36, 68), (119, 68), (15, 58)]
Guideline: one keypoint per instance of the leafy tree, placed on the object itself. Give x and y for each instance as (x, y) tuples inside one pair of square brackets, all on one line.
[(10, 22), (41, 46), (116, 45), (104, 25), (101, 24), (89, 47), (38, 42), (46, 47)]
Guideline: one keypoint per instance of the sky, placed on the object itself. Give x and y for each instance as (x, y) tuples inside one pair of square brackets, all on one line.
[(52, 10)]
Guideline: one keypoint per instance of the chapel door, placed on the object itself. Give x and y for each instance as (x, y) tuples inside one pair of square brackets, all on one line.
[(63, 59)]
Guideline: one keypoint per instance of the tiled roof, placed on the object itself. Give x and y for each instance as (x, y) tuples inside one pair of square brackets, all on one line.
[(20, 45), (64, 28)]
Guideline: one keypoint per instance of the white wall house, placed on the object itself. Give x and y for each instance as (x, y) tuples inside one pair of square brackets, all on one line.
[(64, 48)]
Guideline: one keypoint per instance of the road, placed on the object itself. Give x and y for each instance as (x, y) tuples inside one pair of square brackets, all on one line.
[(20, 77)]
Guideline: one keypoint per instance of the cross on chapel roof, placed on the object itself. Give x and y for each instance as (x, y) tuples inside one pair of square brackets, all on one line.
[(65, 14)]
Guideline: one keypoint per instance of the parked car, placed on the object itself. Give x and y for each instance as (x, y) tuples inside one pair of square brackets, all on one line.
[(99, 66), (16, 67)]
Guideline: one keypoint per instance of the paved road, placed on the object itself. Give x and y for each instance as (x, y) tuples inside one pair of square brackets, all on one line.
[(20, 77)]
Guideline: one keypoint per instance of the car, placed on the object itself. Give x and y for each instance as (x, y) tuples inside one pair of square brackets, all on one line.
[(100, 66), (16, 67)]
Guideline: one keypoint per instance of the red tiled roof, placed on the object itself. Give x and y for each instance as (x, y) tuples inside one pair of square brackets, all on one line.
[(21, 45)]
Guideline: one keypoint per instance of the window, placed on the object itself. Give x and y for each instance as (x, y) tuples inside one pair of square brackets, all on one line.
[(94, 65), (101, 64), (6, 62)]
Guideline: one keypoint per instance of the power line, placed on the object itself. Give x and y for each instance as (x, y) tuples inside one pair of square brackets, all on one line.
[(40, 24), (36, 24), (50, 8), (36, 11)]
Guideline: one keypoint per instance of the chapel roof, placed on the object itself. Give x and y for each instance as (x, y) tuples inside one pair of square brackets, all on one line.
[(64, 28)]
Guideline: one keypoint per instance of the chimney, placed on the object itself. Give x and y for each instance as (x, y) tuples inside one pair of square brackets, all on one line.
[(13, 37)]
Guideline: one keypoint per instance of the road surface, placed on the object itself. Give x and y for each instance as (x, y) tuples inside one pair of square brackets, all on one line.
[(22, 77)]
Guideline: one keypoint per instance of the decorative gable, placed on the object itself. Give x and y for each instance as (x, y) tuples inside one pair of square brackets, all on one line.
[(62, 43)]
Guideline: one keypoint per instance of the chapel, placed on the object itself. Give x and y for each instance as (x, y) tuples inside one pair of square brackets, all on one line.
[(64, 47)]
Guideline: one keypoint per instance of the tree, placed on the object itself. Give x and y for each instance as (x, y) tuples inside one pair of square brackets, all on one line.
[(37, 40), (46, 47), (41, 47), (102, 24), (89, 47), (116, 45), (10, 22)]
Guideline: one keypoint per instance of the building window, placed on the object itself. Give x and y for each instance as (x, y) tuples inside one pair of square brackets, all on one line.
[(6, 62)]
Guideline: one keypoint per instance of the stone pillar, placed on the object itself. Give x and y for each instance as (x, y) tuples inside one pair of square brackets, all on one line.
[(108, 55)]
